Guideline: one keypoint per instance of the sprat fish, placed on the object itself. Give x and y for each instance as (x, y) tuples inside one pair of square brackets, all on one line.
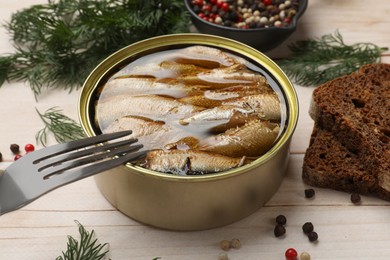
[(252, 139), (221, 113), (267, 105), (152, 134), (204, 56), (152, 106), (187, 162), (214, 97), (143, 86), (220, 78)]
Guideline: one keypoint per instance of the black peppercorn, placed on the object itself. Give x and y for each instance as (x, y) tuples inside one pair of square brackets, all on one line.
[(309, 193), (261, 7), (233, 16), (197, 9), (214, 9), (281, 219), (313, 236), (252, 25), (279, 230), (228, 23), (307, 227), (14, 148), (254, 7), (355, 198)]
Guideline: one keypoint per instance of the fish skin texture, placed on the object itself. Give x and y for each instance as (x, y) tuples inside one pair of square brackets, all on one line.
[(150, 106), (253, 139), (267, 105), (152, 134), (184, 162)]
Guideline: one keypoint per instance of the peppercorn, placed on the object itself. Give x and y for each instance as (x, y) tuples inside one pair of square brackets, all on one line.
[(225, 245), (17, 157), (281, 219), (308, 227), (305, 256), (279, 230), (29, 148), (1, 157), (313, 236), (241, 14), (235, 243), (355, 198), (197, 9), (14, 148), (291, 254), (223, 256), (309, 193), (267, 2)]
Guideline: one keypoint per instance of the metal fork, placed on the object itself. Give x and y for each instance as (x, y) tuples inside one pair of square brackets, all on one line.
[(44, 170)]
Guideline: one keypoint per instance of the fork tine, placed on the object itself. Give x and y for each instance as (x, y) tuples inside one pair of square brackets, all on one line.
[(92, 169), (43, 164), (57, 149), (86, 160)]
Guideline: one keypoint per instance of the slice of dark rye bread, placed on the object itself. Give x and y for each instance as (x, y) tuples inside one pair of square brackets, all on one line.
[(329, 164), (355, 109)]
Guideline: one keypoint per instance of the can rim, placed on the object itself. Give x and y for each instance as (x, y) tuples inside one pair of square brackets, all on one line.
[(102, 70)]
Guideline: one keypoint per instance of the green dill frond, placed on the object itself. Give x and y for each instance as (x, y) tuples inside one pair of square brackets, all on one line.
[(88, 248), (63, 128), (59, 43), (316, 61)]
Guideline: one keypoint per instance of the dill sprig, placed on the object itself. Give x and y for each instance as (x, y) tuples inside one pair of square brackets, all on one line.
[(57, 44), (61, 126), (88, 248), (316, 61)]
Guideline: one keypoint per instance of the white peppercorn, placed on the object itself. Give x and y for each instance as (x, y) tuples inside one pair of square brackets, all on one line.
[(263, 19), (278, 23), (305, 256), (223, 256)]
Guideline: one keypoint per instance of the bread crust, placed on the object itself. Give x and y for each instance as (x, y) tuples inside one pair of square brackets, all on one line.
[(355, 109), (329, 164)]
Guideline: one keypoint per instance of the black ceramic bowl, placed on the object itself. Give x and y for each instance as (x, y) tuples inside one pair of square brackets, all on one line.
[(262, 39)]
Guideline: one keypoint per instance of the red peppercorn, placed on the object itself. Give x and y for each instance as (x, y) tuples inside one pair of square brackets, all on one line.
[(207, 8), (17, 157), (29, 148), (291, 254), (225, 6), (213, 2), (202, 15), (198, 2), (267, 2)]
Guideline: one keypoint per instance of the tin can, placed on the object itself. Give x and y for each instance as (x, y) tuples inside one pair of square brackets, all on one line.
[(195, 202)]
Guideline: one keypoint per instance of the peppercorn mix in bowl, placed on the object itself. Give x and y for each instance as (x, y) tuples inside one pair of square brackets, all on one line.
[(181, 95), (262, 24)]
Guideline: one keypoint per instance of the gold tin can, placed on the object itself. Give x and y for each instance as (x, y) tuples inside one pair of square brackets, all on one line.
[(201, 201)]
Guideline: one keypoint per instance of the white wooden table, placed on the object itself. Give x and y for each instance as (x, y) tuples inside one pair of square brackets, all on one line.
[(346, 231)]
